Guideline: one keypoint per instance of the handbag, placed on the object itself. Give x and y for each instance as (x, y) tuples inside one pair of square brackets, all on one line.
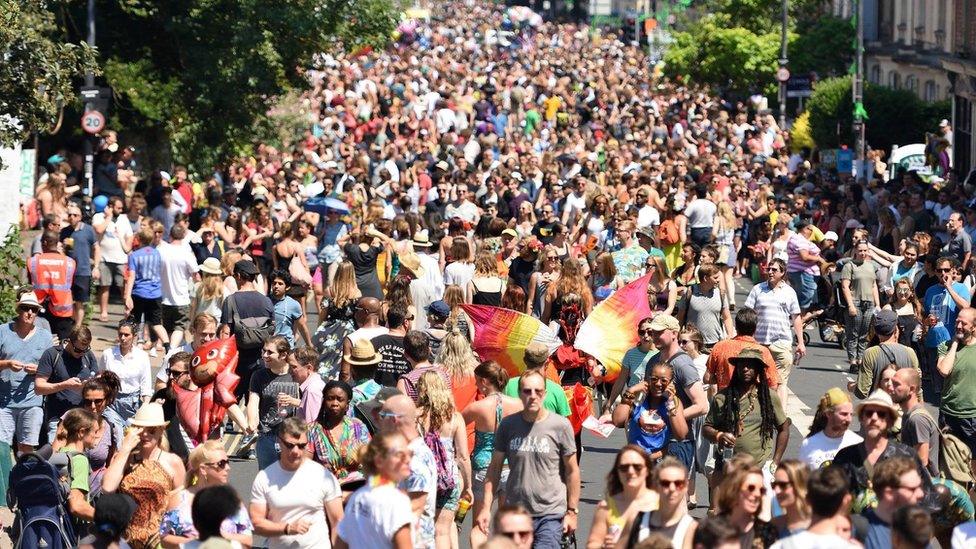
[(299, 274)]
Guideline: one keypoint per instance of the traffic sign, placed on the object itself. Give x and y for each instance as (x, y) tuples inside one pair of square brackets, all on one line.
[(92, 122), (800, 85), (783, 74)]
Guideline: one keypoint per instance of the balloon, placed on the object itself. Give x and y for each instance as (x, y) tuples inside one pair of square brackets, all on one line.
[(100, 202)]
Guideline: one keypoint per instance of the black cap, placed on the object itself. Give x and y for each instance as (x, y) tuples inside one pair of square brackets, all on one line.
[(245, 267)]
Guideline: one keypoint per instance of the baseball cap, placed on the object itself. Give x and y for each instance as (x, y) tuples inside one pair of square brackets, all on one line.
[(439, 308), (885, 322), (830, 235), (665, 322), (245, 267)]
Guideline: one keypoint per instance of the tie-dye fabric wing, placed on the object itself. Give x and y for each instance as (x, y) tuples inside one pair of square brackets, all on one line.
[(611, 328), (502, 335)]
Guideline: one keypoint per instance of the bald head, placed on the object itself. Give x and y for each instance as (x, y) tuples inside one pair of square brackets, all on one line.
[(966, 326), (370, 305), (399, 414)]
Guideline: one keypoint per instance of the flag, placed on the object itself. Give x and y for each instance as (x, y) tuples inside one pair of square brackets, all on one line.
[(611, 329), (503, 334)]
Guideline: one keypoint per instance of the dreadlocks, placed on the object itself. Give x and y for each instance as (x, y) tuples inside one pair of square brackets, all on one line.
[(730, 412)]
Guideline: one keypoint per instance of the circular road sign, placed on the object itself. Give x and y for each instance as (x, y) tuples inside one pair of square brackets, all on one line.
[(92, 122), (783, 74)]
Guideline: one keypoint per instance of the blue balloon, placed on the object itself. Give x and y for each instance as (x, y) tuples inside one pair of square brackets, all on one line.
[(100, 202)]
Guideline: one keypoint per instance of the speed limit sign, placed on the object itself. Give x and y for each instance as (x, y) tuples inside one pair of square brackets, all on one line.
[(92, 122)]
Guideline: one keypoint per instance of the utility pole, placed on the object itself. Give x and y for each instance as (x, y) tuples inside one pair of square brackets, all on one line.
[(783, 62), (90, 83), (858, 127)]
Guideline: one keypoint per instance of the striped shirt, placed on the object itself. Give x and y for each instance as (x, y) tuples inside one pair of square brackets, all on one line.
[(774, 307)]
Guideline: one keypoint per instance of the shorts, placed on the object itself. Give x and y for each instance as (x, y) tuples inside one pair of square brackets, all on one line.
[(450, 502), (175, 317), (111, 274), (24, 424), (81, 289), (146, 309), (547, 531), (782, 352), (684, 451), (478, 477), (805, 285), (962, 427)]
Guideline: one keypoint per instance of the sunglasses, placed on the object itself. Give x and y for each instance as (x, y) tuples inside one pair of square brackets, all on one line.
[(530, 392), (34, 310), (516, 534), (781, 484), (293, 445), (219, 465), (636, 467), (90, 401), (754, 488), (943, 270), (678, 484), (871, 412), (773, 271), (646, 332), (176, 373), (389, 415), (80, 350), (684, 341)]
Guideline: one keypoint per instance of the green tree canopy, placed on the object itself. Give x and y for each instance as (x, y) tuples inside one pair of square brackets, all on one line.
[(37, 69), (201, 74)]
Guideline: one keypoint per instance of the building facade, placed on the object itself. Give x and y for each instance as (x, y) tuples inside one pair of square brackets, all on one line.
[(961, 72)]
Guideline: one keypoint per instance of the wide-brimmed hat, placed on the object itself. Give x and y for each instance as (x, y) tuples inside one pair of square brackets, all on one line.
[(880, 399), (421, 239), (211, 265), (149, 414), (411, 262), (29, 299), (748, 355), (362, 354)]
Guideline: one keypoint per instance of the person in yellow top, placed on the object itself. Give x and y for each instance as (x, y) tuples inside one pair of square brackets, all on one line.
[(551, 105)]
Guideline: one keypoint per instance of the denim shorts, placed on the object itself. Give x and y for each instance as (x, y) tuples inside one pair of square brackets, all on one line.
[(22, 423)]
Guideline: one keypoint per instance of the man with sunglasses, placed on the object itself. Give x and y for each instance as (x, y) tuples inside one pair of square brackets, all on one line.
[(515, 523), (295, 502), (61, 371), (544, 475), (940, 307), (21, 346)]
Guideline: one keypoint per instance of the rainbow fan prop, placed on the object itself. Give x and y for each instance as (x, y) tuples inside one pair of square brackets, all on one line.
[(503, 334), (611, 329)]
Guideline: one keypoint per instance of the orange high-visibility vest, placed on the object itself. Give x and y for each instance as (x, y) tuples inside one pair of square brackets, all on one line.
[(51, 274)]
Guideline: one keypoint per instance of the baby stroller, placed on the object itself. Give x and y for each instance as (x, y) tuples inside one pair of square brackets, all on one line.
[(827, 312)]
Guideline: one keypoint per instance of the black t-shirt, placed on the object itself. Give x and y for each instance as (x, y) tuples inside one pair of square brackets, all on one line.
[(58, 365), (267, 385), (521, 271), (394, 363)]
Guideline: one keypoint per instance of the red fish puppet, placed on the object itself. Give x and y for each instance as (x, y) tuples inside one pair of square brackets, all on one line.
[(213, 371)]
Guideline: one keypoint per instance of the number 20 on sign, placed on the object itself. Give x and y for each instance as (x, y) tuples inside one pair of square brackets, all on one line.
[(92, 122)]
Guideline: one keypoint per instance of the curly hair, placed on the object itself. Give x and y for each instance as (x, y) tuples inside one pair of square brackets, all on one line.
[(456, 356), (729, 415), (434, 400)]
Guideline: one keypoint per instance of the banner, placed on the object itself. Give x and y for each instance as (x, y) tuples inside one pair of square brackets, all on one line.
[(611, 329), (503, 334)]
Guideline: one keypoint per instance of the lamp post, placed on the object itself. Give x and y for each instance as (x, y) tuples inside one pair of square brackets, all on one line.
[(858, 91), (89, 83), (783, 62)]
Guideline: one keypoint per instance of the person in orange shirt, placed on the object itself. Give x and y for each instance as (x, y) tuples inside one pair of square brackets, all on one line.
[(52, 273), (718, 369)]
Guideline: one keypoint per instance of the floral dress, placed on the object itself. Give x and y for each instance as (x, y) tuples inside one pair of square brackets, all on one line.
[(339, 455), (328, 337)]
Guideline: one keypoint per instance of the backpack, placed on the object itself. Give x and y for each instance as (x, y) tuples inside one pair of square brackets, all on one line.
[(40, 497), (954, 455), (252, 332), (445, 474), (667, 233)]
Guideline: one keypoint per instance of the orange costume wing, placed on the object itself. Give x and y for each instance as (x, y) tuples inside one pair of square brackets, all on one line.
[(214, 374)]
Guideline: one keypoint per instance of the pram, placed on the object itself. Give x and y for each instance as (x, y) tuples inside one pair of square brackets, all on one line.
[(827, 312)]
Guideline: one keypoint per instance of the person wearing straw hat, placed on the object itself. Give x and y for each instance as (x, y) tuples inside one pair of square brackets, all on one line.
[(876, 415), (146, 472), (432, 278), (21, 345), (363, 358)]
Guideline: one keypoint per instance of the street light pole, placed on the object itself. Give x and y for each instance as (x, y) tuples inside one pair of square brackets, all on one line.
[(783, 62), (90, 82), (859, 144)]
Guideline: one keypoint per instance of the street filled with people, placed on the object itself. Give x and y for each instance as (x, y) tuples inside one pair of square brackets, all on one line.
[(393, 315)]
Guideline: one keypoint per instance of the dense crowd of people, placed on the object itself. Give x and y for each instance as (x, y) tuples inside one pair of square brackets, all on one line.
[(534, 167)]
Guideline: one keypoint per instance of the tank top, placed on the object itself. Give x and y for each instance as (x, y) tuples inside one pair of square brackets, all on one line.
[(484, 441), (481, 297), (643, 529)]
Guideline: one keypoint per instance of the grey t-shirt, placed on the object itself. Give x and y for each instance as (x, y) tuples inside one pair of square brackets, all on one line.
[(685, 374), (959, 245), (705, 311), (917, 427), (535, 452), (862, 277), (267, 384)]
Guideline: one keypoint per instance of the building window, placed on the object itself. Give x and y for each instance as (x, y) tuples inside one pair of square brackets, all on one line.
[(875, 75), (911, 83), (931, 91), (894, 80)]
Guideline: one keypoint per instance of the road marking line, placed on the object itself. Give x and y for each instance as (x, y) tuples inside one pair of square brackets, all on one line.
[(797, 411), (839, 366)]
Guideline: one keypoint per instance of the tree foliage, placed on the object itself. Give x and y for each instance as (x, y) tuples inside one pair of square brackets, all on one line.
[(204, 73), (37, 69), (823, 46), (895, 116)]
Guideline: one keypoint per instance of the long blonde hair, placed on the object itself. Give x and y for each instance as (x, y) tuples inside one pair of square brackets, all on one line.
[(457, 357), (344, 288), (211, 287), (434, 401), (200, 455)]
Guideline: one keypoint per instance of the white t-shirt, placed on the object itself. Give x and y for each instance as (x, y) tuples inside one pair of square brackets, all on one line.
[(294, 495), (373, 515), (964, 536), (458, 273), (807, 540), (133, 369), (177, 267), (819, 450), (110, 243), (648, 216), (701, 213)]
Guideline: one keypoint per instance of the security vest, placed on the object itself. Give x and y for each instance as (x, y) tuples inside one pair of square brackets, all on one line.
[(51, 274)]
